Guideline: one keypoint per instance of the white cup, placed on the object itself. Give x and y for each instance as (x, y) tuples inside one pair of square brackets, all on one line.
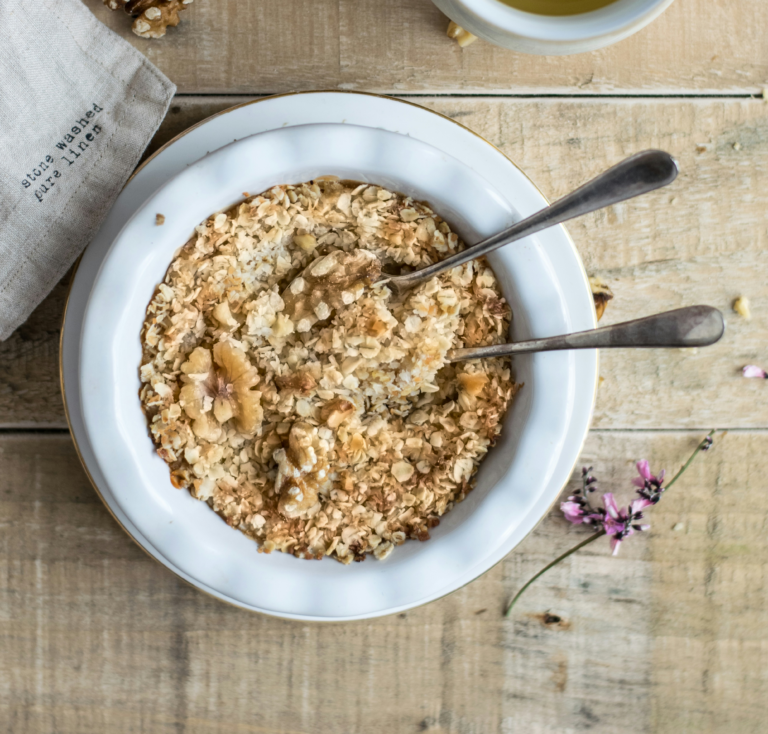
[(551, 35)]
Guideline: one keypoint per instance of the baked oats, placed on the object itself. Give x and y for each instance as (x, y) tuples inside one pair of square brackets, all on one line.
[(311, 409)]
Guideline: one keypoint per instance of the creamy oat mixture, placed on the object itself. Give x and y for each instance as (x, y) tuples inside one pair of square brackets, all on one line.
[(310, 409)]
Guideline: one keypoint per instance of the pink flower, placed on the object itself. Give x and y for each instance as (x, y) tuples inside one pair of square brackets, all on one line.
[(620, 524), (573, 512), (613, 516), (617, 524), (577, 511), (650, 486), (752, 370), (644, 469)]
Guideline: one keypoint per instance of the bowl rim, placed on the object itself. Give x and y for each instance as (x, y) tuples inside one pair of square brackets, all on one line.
[(94, 484), (613, 18)]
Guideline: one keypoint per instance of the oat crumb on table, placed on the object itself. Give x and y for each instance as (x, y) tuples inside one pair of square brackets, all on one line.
[(462, 37), (741, 307), (317, 414)]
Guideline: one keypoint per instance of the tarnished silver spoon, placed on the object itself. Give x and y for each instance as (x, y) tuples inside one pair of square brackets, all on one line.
[(694, 326), (634, 176)]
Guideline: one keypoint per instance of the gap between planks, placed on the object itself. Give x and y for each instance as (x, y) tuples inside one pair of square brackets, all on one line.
[(562, 96)]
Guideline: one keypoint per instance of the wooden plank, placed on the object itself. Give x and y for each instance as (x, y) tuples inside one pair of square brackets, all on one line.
[(29, 367), (700, 241), (400, 46), (670, 636)]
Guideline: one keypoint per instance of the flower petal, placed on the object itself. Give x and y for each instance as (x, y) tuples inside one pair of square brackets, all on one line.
[(573, 512), (644, 469), (637, 505), (638, 482), (612, 527), (752, 370), (615, 545), (610, 505)]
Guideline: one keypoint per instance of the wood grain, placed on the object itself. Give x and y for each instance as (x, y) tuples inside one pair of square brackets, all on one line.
[(666, 637), (30, 395), (700, 241), (400, 46)]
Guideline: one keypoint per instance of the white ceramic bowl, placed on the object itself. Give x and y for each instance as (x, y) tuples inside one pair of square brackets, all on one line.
[(542, 277), (505, 26)]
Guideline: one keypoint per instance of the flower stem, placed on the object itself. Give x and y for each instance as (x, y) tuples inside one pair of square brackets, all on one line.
[(699, 448), (546, 568)]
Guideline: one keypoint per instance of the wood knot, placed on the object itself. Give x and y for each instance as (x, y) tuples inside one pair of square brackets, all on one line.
[(552, 621)]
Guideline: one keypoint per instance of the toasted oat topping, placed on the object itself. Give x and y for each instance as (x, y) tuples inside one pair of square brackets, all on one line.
[(304, 403)]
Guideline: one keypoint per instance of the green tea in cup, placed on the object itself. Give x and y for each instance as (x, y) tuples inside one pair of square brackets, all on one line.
[(557, 7)]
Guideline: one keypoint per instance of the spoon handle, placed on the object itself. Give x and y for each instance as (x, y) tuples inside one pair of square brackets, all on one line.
[(634, 176), (695, 326)]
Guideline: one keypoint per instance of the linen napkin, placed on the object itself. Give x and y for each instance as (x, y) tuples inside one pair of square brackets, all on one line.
[(78, 106)]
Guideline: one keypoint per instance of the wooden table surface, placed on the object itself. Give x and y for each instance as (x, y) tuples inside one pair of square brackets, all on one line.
[(670, 636)]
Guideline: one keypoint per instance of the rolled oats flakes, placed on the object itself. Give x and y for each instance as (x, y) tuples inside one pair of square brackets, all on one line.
[(319, 416)]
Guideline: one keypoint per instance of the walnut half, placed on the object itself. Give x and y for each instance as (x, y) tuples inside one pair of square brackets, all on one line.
[(216, 393)]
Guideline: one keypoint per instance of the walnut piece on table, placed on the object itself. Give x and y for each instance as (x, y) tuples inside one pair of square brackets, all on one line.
[(152, 16), (601, 293)]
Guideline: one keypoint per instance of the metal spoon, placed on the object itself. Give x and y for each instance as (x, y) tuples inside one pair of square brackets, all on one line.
[(694, 326), (634, 176)]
